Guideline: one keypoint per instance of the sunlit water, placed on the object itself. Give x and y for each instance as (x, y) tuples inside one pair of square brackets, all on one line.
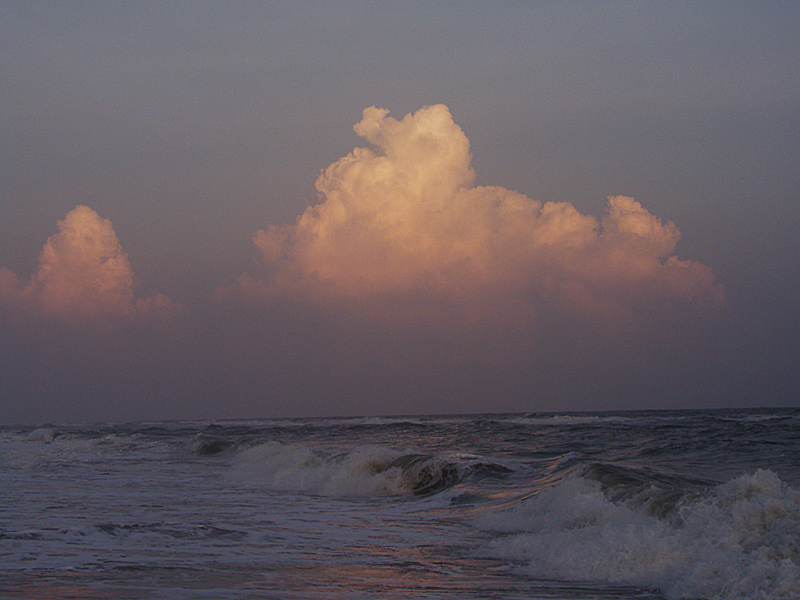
[(608, 505)]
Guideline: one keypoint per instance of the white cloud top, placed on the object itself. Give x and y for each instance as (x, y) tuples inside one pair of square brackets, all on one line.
[(401, 232), (83, 277)]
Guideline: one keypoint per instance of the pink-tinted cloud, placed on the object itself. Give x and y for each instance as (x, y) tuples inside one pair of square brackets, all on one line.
[(83, 278), (401, 234)]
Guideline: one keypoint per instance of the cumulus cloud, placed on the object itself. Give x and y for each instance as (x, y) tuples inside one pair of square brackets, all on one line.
[(83, 277), (401, 233)]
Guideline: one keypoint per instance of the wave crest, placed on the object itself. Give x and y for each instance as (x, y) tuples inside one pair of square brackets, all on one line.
[(738, 540), (364, 471)]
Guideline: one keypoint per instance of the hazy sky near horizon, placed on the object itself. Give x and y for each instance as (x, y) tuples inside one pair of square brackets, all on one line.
[(253, 209)]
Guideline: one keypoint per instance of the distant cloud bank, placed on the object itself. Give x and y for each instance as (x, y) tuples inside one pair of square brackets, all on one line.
[(401, 234)]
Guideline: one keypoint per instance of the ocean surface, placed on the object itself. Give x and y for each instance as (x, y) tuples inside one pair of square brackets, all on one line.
[(644, 505)]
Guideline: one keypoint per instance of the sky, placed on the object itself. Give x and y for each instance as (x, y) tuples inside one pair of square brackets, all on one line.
[(263, 209)]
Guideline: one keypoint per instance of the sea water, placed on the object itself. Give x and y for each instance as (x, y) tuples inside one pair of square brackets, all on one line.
[(661, 504)]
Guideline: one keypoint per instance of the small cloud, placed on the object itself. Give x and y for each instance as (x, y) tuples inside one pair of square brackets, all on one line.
[(83, 277), (401, 234)]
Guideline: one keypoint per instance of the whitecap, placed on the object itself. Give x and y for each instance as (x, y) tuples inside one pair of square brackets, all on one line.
[(739, 541)]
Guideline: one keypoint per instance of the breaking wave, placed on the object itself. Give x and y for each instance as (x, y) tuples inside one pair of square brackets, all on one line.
[(363, 471), (738, 540)]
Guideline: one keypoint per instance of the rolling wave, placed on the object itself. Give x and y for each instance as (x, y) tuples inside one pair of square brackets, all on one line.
[(686, 538), (363, 471)]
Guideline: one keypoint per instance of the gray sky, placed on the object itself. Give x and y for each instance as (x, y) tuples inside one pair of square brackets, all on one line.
[(192, 125)]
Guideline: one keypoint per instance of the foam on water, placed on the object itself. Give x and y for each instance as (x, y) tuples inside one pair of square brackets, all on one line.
[(740, 540), (364, 471), (295, 467), (42, 434), (568, 420)]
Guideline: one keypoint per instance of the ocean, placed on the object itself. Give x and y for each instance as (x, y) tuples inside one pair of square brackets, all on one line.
[(607, 505)]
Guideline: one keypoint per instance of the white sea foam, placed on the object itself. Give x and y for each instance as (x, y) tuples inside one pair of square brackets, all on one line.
[(42, 434), (740, 541), (363, 472), (568, 420), (759, 418)]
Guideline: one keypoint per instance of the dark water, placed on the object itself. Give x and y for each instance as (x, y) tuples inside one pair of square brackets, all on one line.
[(668, 504)]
